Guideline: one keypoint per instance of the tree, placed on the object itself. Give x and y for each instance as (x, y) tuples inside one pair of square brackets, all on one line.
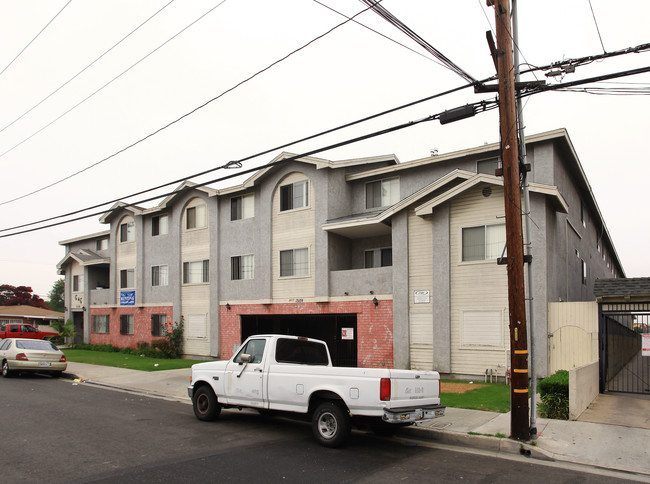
[(55, 298), (20, 295)]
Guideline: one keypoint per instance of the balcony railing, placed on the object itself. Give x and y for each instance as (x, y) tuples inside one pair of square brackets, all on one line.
[(100, 296)]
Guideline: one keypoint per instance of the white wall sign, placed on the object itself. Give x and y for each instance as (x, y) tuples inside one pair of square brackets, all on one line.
[(645, 342), (347, 333), (421, 297)]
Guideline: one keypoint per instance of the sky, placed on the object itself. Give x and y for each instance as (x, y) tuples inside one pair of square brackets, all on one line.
[(82, 81)]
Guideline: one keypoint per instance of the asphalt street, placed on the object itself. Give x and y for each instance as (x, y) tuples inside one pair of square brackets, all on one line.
[(57, 431)]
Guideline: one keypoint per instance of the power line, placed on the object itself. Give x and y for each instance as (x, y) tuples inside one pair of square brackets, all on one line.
[(100, 89), (481, 106), (84, 69), (247, 158), (394, 21), (35, 37), (177, 119), (382, 35), (597, 28)]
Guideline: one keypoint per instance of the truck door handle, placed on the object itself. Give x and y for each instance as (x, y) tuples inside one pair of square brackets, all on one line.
[(258, 369)]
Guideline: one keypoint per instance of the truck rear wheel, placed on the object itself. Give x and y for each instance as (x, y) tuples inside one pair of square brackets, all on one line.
[(330, 424), (205, 404)]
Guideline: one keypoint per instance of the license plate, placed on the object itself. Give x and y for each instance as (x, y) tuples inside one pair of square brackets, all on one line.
[(44, 363)]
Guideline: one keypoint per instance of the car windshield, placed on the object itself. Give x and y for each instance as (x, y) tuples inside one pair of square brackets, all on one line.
[(36, 344)]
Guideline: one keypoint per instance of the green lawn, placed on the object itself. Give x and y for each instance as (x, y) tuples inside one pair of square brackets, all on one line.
[(495, 397), (121, 360)]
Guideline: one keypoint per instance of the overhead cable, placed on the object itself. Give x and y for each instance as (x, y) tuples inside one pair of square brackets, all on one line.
[(177, 119), (35, 37), (390, 18), (481, 106), (105, 85), (85, 68)]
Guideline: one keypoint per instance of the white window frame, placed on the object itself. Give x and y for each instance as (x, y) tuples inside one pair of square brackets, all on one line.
[(162, 225), (242, 207), (299, 196), (295, 264), (129, 324), (196, 272), (199, 219), (103, 326), (494, 240), (160, 275), (158, 322), (77, 283), (377, 258), (127, 232), (388, 192), (129, 274), (242, 267)]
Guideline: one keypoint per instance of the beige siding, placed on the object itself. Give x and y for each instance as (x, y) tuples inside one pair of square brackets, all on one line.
[(77, 299), (293, 229), (195, 298), (420, 279), (573, 331), (476, 286)]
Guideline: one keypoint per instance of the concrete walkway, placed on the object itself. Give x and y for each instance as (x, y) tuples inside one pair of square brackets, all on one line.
[(615, 434)]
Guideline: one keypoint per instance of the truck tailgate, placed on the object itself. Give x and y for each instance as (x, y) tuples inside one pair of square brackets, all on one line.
[(414, 389)]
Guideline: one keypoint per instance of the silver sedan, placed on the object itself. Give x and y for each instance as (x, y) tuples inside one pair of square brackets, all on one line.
[(21, 354)]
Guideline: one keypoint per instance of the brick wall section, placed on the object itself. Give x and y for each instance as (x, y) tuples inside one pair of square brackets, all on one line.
[(141, 325), (374, 326)]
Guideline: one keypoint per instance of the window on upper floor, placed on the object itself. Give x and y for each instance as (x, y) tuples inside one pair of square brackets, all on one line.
[(485, 242), (196, 272), (241, 267), (196, 217), (382, 193), (101, 323), (294, 195), (77, 283), (126, 324), (242, 207), (583, 266), (127, 232), (102, 244), (294, 262), (583, 214), (159, 275), (488, 166), (127, 278), (158, 322), (379, 258), (159, 224)]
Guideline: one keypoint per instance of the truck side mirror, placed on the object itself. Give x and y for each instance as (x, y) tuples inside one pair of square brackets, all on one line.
[(246, 358)]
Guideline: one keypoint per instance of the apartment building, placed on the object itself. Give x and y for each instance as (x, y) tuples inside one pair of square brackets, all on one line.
[(393, 264)]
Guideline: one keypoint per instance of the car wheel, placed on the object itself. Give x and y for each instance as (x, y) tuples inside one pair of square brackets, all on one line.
[(330, 424), (205, 404), (6, 372)]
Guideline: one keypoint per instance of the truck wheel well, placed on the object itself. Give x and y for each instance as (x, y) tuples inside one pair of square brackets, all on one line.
[(323, 395)]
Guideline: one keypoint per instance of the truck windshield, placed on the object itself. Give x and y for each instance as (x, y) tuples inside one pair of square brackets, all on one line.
[(301, 352)]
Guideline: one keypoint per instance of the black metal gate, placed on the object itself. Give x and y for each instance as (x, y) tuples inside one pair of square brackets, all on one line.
[(624, 365)]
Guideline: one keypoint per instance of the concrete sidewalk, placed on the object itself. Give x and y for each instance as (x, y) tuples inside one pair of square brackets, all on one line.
[(601, 445)]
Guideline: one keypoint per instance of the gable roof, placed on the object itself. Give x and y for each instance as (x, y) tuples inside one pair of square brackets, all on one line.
[(118, 206), (452, 184), (85, 257)]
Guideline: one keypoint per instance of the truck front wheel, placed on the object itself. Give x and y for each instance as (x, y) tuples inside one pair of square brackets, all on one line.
[(205, 404), (330, 424)]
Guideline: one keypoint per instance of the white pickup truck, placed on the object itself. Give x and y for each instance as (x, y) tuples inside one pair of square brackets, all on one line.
[(294, 374)]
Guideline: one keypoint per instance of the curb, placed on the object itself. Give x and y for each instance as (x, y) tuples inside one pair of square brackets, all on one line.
[(482, 442)]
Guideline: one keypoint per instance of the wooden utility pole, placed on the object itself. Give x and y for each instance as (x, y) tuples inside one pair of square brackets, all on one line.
[(519, 427)]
